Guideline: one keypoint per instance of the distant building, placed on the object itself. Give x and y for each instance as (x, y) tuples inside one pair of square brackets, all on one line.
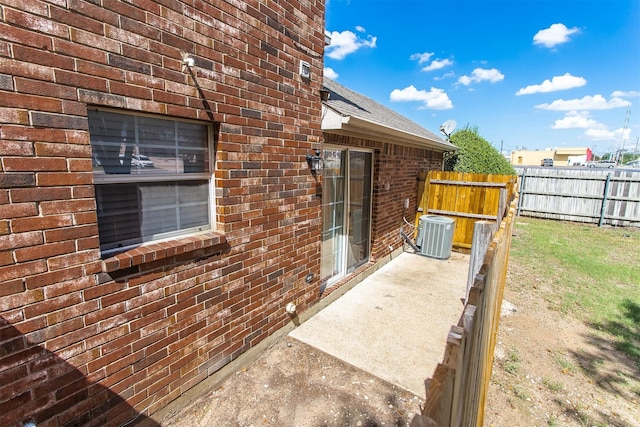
[(561, 156)]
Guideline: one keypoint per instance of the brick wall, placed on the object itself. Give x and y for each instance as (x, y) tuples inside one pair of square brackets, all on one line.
[(86, 340), (396, 170)]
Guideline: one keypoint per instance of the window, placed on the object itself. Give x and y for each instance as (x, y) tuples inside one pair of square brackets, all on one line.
[(152, 178)]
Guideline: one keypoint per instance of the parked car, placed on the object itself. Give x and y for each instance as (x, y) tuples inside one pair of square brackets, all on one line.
[(142, 161), (139, 161), (602, 164), (546, 162), (633, 163)]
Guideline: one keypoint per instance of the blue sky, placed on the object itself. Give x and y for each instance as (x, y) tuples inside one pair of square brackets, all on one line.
[(535, 74)]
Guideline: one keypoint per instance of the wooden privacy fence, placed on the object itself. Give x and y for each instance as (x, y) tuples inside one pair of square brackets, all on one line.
[(467, 198), (603, 197), (456, 394)]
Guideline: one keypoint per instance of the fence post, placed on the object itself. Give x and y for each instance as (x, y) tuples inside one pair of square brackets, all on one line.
[(521, 195), (604, 199), (482, 234)]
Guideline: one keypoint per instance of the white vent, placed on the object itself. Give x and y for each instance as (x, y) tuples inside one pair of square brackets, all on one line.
[(435, 236)]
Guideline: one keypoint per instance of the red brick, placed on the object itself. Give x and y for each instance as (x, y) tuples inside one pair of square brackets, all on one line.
[(97, 67), (79, 21), (48, 179), (12, 287), (80, 165), (33, 102), (17, 210), (40, 223), (61, 234), (14, 116), (83, 191), (21, 240), (58, 149), (98, 13), (73, 285), (20, 299), (53, 120), (114, 311), (74, 108), (124, 295), (77, 80), (70, 206), (29, 135), (88, 243), (52, 278), (34, 164), (23, 36), (36, 23), (19, 195), (51, 305), (70, 260), (42, 88), (22, 270)]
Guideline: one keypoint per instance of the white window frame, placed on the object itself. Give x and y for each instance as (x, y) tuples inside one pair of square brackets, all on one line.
[(139, 176)]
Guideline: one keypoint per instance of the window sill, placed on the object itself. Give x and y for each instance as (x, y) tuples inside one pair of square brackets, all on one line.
[(162, 250)]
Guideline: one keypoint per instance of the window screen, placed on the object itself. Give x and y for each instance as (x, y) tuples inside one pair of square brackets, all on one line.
[(152, 178)]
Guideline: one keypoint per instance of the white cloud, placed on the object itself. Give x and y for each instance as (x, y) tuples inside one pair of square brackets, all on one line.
[(448, 75), (425, 57), (623, 94), (330, 73), (434, 99), (573, 120), (556, 83), (554, 35), (346, 42), (421, 57), (600, 134), (480, 74), (438, 64), (594, 129), (360, 29), (596, 102)]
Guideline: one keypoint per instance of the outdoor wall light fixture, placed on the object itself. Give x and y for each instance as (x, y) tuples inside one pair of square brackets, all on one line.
[(315, 161), (324, 94)]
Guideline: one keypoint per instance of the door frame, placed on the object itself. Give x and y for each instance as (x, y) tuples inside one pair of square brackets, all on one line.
[(346, 220)]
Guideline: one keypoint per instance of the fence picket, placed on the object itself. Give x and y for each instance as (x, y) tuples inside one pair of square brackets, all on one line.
[(603, 197)]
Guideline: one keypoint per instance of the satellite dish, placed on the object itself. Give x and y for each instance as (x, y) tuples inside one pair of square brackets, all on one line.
[(448, 127)]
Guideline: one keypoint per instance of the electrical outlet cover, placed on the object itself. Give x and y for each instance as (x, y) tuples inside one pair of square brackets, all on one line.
[(305, 70)]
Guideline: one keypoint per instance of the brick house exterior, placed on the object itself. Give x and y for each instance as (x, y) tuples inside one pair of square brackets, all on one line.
[(92, 334), (88, 339)]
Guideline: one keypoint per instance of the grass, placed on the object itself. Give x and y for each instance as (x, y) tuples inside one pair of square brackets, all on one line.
[(593, 274), (512, 364), (566, 366), (553, 385)]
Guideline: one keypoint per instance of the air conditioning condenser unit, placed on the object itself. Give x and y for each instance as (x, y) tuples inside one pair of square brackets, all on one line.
[(435, 236)]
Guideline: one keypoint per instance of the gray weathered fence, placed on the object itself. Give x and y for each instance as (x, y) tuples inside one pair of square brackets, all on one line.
[(601, 196)]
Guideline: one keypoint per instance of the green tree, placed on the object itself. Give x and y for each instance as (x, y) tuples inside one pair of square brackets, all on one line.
[(475, 154)]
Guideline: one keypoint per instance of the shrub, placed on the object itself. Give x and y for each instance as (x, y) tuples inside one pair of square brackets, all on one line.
[(476, 155)]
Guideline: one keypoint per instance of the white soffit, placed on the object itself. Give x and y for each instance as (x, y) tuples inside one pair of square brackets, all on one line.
[(338, 123)]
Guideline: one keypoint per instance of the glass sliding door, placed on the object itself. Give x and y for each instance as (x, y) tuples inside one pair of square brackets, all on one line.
[(346, 211), (359, 221), (333, 213)]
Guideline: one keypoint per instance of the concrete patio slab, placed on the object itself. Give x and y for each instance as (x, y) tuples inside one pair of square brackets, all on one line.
[(394, 324)]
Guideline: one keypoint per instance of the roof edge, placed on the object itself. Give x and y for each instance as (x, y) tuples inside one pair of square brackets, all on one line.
[(335, 122)]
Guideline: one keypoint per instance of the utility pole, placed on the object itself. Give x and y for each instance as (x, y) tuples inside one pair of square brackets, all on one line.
[(501, 141), (620, 157)]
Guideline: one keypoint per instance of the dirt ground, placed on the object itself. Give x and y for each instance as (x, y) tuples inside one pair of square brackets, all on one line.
[(549, 370), (553, 370), (295, 385)]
